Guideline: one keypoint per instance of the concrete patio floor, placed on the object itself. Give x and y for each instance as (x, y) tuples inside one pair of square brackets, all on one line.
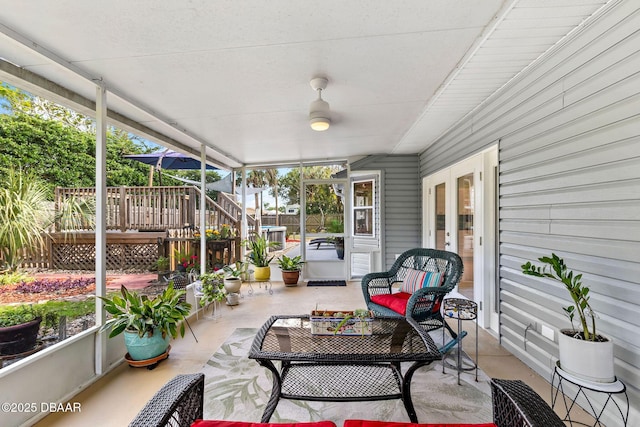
[(115, 399)]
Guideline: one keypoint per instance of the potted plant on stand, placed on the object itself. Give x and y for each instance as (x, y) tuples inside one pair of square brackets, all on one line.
[(583, 352), (233, 281), (290, 269), (212, 289), (259, 256), (147, 323)]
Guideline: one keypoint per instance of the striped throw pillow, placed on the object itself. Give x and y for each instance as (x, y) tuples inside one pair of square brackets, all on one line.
[(416, 279)]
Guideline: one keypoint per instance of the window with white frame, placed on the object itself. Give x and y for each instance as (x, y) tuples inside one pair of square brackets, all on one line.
[(363, 208)]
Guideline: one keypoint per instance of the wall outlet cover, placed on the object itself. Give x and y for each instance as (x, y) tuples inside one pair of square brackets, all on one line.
[(547, 332)]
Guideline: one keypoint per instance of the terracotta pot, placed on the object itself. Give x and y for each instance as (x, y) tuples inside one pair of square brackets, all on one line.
[(589, 360), (290, 278), (262, 274)]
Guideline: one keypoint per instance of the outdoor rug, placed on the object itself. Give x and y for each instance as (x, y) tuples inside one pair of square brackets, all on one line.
[(237, 388), (326, 283)]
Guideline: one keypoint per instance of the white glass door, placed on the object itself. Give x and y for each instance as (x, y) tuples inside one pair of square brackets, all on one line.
[(457, 219)]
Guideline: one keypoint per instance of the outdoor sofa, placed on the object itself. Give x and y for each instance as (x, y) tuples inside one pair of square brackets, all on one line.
[(180, 403)]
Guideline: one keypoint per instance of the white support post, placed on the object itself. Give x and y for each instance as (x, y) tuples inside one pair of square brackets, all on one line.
[(101, 225), (203, 207), (244, 232)]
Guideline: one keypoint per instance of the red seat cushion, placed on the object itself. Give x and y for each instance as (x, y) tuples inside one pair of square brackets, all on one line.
[(222, 423), (396, 302), (366, 423)]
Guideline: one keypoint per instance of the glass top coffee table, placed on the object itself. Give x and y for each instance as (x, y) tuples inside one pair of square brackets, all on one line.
[(342, 368)]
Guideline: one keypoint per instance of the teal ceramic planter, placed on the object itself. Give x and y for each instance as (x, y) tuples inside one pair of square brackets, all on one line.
[(146, 347)]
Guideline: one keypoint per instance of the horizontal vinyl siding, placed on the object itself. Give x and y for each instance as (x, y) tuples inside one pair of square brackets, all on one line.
[(569, 160), (401, 207)]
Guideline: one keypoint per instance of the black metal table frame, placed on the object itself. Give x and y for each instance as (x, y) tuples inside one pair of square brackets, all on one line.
[(617, 387), (470, 308), (289, 360)]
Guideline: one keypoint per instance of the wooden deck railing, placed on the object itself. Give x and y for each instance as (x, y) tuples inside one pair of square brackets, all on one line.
[(156, 208)]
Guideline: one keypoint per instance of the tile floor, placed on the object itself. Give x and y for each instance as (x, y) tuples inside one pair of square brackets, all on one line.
[(115, 399)]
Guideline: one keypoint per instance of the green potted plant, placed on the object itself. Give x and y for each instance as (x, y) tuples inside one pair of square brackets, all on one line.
[(259, 256), (212, 288), (290, 269), (163, 266), (147, 323), (19, 326), (583, 351)]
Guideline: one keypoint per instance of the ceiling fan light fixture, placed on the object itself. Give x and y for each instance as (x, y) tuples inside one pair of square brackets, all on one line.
[(319, 111)]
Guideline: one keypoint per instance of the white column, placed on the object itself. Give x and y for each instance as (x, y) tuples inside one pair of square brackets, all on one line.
[(244, 233), (101, 225), (203, 207)]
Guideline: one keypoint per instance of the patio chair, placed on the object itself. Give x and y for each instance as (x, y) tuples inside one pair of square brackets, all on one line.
[(425, 276)]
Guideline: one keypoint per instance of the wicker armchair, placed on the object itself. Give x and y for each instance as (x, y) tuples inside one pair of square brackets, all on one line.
[(178, 403), (515, 404), (424, 303)]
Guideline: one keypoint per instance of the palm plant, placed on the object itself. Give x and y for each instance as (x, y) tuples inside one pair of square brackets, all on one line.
[(76, 213), (259, 247), (23, 215)]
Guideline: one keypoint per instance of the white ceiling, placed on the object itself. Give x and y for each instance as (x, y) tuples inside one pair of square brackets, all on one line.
[(234, 74)]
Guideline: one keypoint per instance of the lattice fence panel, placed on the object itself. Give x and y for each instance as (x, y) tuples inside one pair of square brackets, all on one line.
[(137, 256)]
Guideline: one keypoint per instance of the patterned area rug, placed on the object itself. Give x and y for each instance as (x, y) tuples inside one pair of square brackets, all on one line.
[(237, 388)]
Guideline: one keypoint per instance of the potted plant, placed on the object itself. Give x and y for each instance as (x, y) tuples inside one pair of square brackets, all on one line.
[(583, 352), (259, 256), (212, 288), (185, 261), (19, 328), (233, 280), (290, 269), (163, 266), (337, 226), (147, 323)]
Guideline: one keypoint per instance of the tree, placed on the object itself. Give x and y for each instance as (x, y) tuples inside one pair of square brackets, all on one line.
[(320, 199), (59, 144), (23, 202), (256, 179), (290, 186), (271, 178), (194, 175)]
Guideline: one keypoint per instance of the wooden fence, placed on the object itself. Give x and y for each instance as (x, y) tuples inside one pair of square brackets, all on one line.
[(314, 222)]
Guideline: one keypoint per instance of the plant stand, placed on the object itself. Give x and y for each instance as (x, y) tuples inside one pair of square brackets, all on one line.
[(148, 363), (610, 389), (461, 309)]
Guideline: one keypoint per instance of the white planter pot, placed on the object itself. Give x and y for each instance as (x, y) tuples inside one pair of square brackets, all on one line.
[(589, 360), (232, 285)]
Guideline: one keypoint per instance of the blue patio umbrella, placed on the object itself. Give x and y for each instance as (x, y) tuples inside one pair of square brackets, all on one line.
[(167, 159)]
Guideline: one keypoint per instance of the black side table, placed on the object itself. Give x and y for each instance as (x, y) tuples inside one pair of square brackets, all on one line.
[(461, 309), (609, 389)]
